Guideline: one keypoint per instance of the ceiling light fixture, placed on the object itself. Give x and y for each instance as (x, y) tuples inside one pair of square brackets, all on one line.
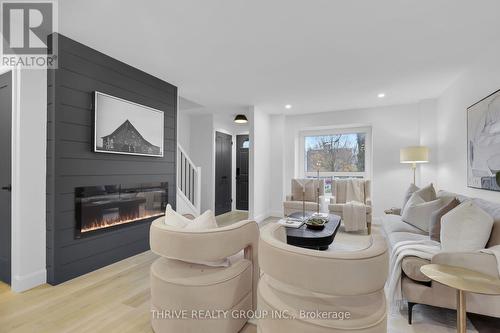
[(381, 95), (240, 119), (288, 106)]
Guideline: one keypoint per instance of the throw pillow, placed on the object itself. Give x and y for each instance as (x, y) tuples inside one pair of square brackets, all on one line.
[(465, 228), (427, 193), (203, 222), (174, 219), (418, 212), (412, 189), (435, 224)]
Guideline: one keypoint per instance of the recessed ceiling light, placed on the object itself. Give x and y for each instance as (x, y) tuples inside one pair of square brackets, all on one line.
[(288, 106), (381, 95)]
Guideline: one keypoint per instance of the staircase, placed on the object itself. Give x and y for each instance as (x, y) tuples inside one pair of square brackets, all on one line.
[(188, 184)]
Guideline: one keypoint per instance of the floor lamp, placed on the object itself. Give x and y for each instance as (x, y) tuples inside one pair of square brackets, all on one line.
[(414, 155)]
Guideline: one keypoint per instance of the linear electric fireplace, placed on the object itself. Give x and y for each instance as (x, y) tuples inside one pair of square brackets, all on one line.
[(100, 208)]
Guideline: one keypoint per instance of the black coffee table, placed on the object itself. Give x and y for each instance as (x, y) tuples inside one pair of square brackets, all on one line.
[(313, 239)]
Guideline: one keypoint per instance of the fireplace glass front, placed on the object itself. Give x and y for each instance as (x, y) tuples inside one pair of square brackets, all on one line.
[(111, 206)]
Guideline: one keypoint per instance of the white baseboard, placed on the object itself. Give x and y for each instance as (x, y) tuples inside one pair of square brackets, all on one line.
[(26, 282)]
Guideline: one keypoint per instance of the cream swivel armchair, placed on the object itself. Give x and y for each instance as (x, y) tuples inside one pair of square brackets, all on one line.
[(339, 198), (294, 202), (178, 284), (304, 283)]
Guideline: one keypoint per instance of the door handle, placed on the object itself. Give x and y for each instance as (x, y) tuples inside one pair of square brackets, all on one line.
[(7, 188)]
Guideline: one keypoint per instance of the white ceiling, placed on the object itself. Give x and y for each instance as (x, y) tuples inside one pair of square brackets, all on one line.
[(318, 55)]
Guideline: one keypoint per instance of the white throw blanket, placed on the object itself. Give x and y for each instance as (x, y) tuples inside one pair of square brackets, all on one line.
[(424, 249), (354, 190), (354, 210), (354, 216)]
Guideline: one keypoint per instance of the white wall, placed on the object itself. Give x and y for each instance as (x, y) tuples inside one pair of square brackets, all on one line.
[(428, 132), (277, 167), (184, 130), (29, 142), (478, 82), (201, 153), (393, 127), (260, 165)]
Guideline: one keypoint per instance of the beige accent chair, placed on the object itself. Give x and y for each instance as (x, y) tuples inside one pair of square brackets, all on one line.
[(338, 200), (178, 284), (293, 201), (419, 289), (330, 283)]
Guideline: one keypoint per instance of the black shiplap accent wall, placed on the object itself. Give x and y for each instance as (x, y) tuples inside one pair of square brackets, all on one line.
[(72, 163)]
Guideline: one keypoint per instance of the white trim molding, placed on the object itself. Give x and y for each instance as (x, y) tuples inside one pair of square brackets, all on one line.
[(28, 281), (29, 145)]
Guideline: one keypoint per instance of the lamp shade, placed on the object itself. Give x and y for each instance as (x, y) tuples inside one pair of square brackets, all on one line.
[(417, 154), (240, 119)]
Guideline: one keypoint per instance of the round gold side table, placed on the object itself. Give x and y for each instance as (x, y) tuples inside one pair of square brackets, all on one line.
[(463, 280)]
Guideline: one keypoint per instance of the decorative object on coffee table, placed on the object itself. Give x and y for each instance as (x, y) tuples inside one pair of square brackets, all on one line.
[(318, 166), (414, 155), (303, 183), (316, 223), (313, 239), (463, 280)]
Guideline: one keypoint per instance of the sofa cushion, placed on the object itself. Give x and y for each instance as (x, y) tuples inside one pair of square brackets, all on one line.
[(309, 191), (427, 193), (465, 228), (435, 224), (298, 205), (411, 267), (393, 223), (197, 285), (409, 192), (418, 212), (492, 208)]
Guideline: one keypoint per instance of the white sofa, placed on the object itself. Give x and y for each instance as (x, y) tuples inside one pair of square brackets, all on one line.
[(419, 289)]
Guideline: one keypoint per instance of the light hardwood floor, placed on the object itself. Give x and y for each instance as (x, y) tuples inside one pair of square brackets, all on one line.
[(112, 299)]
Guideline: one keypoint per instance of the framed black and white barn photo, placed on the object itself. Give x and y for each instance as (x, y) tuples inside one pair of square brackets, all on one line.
[(124, 127), (483, 143)]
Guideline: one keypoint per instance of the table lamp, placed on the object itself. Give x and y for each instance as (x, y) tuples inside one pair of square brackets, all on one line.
[(414, 155)]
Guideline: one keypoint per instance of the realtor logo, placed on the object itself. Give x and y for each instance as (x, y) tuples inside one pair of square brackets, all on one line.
[(26, 27)]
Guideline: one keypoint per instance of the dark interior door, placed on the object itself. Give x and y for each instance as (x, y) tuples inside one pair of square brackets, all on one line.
[(223, 188), (242, 148), (5, 174)]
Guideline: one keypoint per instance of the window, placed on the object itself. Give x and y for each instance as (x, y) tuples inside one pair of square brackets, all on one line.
[(246, 144), (335, 153)]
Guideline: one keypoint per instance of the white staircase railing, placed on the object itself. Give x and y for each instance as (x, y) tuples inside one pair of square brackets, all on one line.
[(188, 183)]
